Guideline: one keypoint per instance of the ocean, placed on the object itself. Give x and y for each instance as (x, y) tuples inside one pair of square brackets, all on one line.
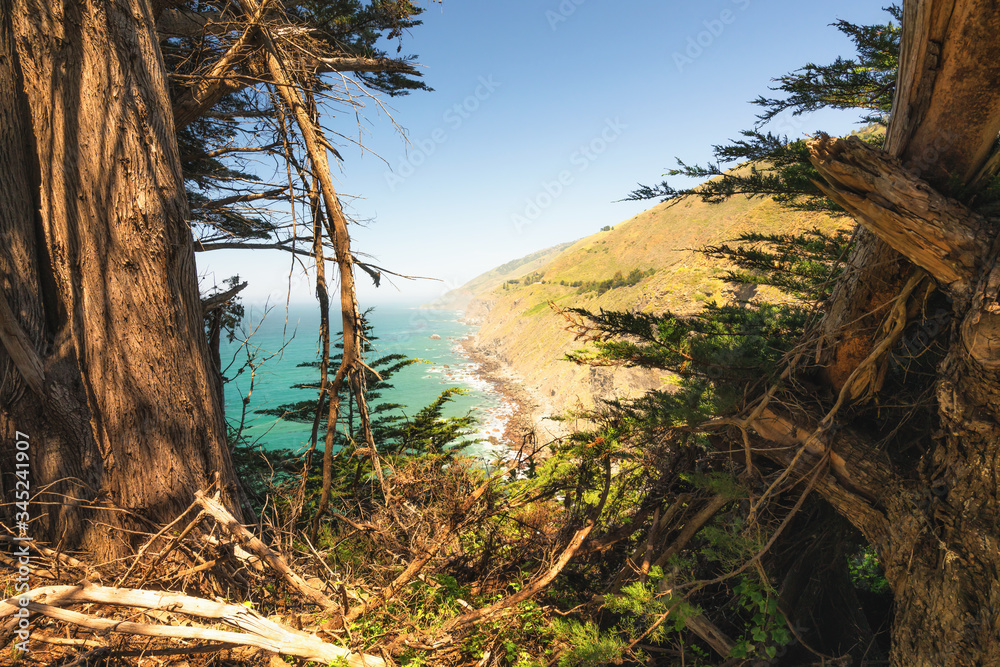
[(281, 340)]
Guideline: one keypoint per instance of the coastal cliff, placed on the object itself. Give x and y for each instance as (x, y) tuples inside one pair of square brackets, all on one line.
[(648, 263)]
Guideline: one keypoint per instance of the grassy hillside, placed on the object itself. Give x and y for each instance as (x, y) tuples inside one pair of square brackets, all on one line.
[(458, 299), (521, 329)]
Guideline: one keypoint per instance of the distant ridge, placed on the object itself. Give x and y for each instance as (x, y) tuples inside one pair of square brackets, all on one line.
[(458, 299)]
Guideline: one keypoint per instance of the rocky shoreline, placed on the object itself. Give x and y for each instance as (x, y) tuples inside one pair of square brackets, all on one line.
[(524, 428)]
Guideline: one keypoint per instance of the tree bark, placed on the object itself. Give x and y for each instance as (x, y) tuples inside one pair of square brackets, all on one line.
[(946, 115), (942, 566), (99, 272), (935, 524)]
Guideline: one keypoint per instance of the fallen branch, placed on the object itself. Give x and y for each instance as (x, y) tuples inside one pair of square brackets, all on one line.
[(261, 550), (257, 630), (541, 582), (440, 539), (715, 504)]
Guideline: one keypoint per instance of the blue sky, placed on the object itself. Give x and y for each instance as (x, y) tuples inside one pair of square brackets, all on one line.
[(544, 114)]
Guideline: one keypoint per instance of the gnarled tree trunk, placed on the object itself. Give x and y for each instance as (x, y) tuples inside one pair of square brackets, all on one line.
[(115, 391), (935, 522)]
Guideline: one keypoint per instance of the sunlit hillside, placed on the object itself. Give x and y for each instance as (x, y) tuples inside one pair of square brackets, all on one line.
[(518, 307)]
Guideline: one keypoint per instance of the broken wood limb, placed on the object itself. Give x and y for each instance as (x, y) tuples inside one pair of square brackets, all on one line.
[(262, 551), (859, 482), (240, 199), (709, 633), (934, 232), (257, 630), (440, 538), (542, 581)]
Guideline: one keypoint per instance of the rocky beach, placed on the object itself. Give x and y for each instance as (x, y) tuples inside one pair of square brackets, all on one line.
[(527, 425)]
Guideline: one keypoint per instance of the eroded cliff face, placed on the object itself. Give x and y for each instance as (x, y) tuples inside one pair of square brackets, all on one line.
[(533, 347), (519, 312)]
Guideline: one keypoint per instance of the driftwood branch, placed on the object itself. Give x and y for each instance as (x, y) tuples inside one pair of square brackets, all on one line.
[(257, 630), (261, 550), (934, 232)]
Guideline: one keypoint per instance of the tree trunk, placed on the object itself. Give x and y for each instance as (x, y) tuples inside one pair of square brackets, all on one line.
[(935, 521), (936, 524), (98, 270)]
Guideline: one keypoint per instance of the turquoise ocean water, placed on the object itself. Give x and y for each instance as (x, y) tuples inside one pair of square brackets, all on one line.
[(281, 340)]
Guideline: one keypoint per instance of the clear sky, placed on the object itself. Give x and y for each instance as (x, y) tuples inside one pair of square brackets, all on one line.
[(544, 114)]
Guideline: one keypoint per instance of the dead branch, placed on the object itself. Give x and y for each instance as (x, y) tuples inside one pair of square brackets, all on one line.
[(542, 581), (215, 83), (261, 550), (441, 537), (710, 634), (257, 630), (238, 199), (211, 303), (710, 509)]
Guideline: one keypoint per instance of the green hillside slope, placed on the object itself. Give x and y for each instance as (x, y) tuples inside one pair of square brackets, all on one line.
[(519, 328), (458, 299)]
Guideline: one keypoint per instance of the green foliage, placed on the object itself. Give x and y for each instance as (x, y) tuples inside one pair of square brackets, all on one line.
[(361, 29), (589, 647), (712, 353), (866, 82), (716, 357), (220, 151), (380, 370), (427, 432), (866, 571), (804, 266), (766, 630), (226, 317), (634, 277)]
